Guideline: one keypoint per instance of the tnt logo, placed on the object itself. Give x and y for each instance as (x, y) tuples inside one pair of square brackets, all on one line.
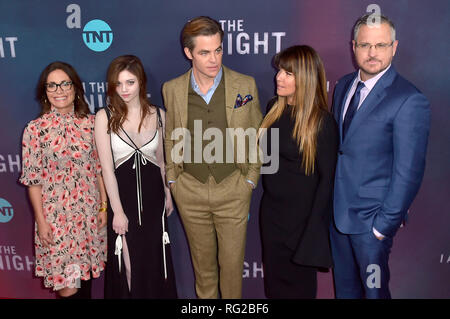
[(97, 35), (6, 211)]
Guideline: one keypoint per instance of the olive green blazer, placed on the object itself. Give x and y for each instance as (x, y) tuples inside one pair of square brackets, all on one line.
[(175, 94)]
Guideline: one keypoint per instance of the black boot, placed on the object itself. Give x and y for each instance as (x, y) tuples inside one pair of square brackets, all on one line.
[(85, 290)]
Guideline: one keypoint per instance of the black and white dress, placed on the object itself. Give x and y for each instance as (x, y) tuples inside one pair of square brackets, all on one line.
[(141, 189)]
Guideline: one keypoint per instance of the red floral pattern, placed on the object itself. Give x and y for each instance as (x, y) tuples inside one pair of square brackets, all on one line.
[(59, 153)]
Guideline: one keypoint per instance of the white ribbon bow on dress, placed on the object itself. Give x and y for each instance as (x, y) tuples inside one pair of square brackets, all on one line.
[(165, 240), (118, 251), (139, 159)]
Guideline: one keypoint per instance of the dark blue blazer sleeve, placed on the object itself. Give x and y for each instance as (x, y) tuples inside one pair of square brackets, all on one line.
[(410, 137)]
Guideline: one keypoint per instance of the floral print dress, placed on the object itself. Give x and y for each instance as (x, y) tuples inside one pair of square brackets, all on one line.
[(59, 153)]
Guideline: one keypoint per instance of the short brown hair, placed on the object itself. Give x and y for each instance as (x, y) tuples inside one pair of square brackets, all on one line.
[(199, 26), (81, 108), (367, 19)]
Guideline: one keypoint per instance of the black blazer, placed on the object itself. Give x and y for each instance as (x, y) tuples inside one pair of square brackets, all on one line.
[(307, 228)]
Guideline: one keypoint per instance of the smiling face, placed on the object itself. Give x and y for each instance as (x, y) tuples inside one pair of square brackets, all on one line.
[(286, 85), (372, 61), (206, 56), (62, 99), (127, 86)]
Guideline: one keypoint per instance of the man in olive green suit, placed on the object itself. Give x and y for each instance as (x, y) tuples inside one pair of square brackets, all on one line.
[(212, 185)]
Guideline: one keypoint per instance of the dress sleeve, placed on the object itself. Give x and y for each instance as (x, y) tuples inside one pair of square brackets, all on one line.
[(31, 156), (313, 248)]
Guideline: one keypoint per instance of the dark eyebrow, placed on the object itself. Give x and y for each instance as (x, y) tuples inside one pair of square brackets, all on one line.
[(206, 51), (53, 82), (127, 80)]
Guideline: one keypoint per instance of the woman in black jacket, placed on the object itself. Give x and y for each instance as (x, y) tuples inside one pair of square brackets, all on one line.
[(297, 201)]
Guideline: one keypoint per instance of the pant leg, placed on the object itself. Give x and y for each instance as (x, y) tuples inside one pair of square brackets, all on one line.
[(346, 274), (192, 201), (372, 256), (230, 204)]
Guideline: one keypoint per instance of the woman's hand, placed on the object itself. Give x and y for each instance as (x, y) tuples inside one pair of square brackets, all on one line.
[(45, 234), (101, 220), (120, 223), (169, 205)]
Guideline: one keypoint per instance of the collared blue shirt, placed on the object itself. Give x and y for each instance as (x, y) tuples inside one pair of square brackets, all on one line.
[(207, 97)]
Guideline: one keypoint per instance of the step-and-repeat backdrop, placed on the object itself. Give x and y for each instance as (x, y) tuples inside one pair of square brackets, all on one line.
[(89, 34)]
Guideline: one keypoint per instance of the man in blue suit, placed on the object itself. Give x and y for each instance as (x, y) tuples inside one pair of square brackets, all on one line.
[(384, 123)]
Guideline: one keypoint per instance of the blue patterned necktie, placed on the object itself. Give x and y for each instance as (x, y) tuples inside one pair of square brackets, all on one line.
[(352, 107)]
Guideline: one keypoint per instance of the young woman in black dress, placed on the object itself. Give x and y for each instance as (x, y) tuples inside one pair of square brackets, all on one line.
[(129, 136), (296, 205)]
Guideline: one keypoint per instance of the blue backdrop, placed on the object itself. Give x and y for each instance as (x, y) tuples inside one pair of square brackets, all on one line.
[(35, 33)]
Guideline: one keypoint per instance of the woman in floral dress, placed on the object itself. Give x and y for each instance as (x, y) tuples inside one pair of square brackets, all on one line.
[(61, 169)]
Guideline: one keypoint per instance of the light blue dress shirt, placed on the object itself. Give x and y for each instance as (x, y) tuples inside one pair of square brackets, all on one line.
[(207, 97)]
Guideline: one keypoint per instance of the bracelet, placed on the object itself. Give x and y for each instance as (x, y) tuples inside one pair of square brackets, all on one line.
[(103, 209)]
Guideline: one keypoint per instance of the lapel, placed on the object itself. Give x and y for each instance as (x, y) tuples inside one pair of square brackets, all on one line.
[(375, 96), (181, 97), (342, 100), (231, 92)]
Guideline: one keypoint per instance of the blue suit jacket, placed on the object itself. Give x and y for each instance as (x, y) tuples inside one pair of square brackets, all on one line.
[(381, 162)]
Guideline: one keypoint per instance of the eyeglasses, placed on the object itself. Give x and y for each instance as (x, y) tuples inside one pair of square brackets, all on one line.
[(378, 47), (53, 87)]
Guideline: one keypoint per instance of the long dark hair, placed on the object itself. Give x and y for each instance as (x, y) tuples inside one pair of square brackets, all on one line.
[(118, 107), (81, 108), (310, 99)]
